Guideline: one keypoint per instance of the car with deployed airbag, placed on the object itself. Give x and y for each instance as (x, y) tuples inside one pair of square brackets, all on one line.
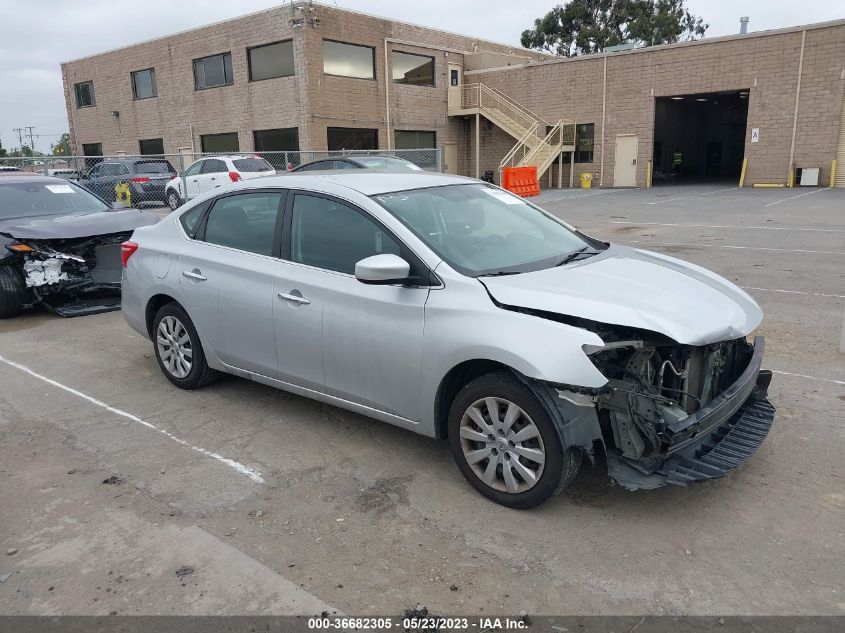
[(460, 311)]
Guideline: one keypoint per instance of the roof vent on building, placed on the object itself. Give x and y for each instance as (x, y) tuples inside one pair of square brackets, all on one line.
[(743, 25)]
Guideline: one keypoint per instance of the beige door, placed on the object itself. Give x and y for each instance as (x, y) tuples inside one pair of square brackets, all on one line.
[(625, 170), (450, 158), (454, 80)]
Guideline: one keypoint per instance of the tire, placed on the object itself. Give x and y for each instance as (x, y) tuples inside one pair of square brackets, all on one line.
[(538, 465), (173, 200), (185, 366), (12, 292)]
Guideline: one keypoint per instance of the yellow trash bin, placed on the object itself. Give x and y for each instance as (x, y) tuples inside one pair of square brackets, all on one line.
[(123, 194), (586, 179)]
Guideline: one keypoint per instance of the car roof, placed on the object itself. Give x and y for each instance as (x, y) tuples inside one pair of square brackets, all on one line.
[(28, 177), (369, 182)]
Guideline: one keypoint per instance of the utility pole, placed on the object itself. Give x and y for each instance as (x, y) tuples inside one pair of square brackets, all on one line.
[(19, 130), (31, 140)]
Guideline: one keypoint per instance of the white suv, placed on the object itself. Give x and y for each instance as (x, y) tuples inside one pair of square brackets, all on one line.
[(214, 171)]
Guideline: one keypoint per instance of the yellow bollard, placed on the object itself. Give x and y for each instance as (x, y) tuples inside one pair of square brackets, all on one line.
[(742, 173), (123, 194), (648, 173), (832, 173)]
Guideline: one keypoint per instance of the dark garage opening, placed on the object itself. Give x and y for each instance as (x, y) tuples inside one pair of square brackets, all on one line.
[(699, 137)]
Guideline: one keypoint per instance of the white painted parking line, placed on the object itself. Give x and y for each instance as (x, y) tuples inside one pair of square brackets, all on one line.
[(800, 195), (794, 292), (720, 226), (786, 373), (603, 192), (241, 468), (748, 248), (694, 195)]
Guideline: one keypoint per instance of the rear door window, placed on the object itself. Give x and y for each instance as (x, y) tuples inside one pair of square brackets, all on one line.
[(245, 221), (191, 219), (214, 166)]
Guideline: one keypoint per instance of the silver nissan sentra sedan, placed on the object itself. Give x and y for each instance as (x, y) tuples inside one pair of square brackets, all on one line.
[(453, 308)]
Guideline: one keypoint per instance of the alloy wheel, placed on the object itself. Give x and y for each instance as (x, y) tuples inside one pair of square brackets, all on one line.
[(173, 200), (174, 346), (502, 445)]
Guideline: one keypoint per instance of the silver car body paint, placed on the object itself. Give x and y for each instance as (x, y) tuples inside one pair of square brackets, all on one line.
[(383, 350)]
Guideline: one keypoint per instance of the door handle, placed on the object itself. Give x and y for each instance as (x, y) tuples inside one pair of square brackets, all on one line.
[(195, 275), (294, 298), (213, 178)]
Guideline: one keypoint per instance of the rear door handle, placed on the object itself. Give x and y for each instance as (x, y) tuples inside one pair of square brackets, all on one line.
[(294, 298), (196, 275)]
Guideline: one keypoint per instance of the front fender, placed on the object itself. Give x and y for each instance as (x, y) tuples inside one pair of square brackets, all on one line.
[(462, 324)]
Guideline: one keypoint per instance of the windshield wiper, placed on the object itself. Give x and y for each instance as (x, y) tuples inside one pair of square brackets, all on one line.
[(585, 251), (499, 273)]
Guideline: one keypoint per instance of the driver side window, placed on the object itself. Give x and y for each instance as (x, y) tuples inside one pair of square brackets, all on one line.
[(329, 234)]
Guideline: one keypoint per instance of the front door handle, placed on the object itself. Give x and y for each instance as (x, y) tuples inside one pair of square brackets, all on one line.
[(294, 298), (194, 274)]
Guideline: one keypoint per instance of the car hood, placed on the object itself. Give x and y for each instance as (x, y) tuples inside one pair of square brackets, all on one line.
[(76, 225), (634, 288)]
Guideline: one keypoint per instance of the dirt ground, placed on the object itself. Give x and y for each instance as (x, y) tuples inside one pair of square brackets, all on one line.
[(103, 513)]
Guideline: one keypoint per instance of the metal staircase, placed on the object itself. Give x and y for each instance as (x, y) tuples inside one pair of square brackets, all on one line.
[(538, 142)]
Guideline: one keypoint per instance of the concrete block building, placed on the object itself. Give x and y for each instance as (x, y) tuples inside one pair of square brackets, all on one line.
[(307, 76)]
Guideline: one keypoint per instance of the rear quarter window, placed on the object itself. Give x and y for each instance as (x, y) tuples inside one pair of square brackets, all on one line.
[(191, 219)]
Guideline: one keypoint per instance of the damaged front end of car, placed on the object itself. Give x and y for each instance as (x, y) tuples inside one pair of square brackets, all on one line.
[(70, 277), (670, 413)]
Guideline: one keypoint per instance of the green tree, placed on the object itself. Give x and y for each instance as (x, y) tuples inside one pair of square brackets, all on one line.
[(2, 150), (582, 27), (62, 146)]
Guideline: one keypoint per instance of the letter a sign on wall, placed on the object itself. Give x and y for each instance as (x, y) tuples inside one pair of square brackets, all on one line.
[(755, 135)]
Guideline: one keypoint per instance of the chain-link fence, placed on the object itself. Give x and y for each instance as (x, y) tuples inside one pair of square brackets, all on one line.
[(172, 179)]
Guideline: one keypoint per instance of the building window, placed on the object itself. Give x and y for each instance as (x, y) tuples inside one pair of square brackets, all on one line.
[(584, 142), (416, 70), (414, 139), (94, 150), (144, 84), (213, 71), (151, 146), (279, 140), (351, 138), (227, 142), (84, 94), (349, 60), (270, 60)]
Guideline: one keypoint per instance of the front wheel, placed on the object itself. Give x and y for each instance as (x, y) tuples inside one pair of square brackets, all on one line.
[(506, 445), (12, 292), (173, 200), (178, 349)]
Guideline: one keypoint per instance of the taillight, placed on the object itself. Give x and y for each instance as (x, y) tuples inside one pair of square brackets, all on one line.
[(234, 176), (139, 179), (127, 249)]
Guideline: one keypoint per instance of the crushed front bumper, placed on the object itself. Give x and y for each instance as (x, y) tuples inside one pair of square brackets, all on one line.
[(713, 441)]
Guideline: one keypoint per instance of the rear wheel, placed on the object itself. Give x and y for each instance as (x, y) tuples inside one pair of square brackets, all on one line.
[(173, 200), (506, 445), (12, 292), (178, 349)]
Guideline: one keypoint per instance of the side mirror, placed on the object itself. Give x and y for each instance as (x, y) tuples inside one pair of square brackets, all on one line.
[(382, 269)]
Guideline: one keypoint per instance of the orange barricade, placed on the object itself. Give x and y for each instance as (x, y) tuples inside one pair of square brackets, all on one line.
[(521, 180)]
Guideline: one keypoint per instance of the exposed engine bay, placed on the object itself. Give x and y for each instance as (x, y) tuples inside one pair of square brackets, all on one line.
[(656, 385), (71, 277)]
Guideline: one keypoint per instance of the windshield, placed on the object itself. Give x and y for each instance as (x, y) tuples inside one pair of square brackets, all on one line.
[(153, 167), (481, 230), (385, 162), (31, 199)]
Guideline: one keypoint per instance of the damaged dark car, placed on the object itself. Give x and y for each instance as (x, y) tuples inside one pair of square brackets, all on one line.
[(60, 246)]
